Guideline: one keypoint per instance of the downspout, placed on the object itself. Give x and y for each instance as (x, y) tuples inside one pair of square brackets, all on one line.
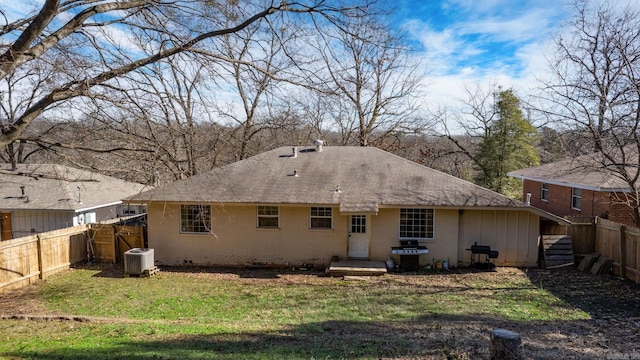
[(461, 252)]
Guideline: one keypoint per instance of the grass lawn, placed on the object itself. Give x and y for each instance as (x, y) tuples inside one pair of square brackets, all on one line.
[(270, 314)]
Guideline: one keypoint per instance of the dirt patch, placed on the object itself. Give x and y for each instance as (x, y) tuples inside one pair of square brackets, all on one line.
[(611, 332), (24, 300)]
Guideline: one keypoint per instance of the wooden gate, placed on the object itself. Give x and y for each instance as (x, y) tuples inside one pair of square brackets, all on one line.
[(111, 241), (102, 243), (127, 238)]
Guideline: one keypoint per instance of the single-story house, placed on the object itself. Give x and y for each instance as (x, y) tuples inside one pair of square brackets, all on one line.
[(581, 186), (36, 198), (307, 205)]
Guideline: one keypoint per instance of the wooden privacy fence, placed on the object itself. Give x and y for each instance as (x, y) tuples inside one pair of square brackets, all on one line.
[(28, 259), (582, 233), (619, 242)]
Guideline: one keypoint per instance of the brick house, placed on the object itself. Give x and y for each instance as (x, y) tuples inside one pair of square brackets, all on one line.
[(573, 188)]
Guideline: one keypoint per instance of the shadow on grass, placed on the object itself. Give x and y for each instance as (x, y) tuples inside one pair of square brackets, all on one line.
[(242, 272), (117, 271), (438, 337), (601, 296)]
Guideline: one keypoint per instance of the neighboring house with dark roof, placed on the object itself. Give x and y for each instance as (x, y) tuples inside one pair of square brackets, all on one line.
[(577, 187), (36, 198), (293, 206)]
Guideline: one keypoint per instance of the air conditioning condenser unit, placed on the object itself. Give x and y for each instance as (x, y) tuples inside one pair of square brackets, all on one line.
[(137, 260)]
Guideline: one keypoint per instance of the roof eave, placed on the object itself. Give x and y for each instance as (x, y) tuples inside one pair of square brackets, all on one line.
[(569, 184), (97, 207)]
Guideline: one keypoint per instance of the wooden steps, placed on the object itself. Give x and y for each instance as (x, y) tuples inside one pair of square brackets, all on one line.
[(357, 268), (557, 251)]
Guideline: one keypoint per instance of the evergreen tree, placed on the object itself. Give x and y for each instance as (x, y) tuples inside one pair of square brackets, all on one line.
[(508, 145)]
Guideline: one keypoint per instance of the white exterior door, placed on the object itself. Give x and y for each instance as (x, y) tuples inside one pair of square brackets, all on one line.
[(358, 246)]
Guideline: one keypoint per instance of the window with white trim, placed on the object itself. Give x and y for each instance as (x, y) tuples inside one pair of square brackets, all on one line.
[(195, 218), (268, 217), (321, 218), (544, 192), (576, 198), (416, 223)]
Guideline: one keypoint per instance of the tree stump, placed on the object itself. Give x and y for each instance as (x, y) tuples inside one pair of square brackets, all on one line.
[(505, 345)]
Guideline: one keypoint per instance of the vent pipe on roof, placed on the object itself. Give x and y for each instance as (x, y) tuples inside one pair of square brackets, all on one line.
[(528, 202), (79, 198), (318, 143), (295, 152), (24, 195)]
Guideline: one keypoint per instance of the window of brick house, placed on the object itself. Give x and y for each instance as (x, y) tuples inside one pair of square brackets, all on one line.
[(576, 198), (544, 192)]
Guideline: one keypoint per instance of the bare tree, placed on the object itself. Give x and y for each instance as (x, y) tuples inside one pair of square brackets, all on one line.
[(595, 93), (165, 117), (257, 60), (477, 113), (368, 85), (85, 46)]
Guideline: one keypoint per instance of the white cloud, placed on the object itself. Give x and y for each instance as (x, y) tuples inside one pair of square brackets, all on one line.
[(525, 27), (485, 44)]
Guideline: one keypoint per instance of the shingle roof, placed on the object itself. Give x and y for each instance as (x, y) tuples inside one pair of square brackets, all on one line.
[(366, 177), (58, 187), (587, 172)]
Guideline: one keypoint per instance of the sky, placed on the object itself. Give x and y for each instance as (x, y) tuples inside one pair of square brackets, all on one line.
[(470, 43), (464, 41)]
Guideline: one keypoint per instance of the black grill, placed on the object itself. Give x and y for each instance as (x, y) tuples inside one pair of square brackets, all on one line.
[(409, 251), (477, 251)]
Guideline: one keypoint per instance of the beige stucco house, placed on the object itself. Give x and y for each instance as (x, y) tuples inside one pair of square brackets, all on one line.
[(305, 205)]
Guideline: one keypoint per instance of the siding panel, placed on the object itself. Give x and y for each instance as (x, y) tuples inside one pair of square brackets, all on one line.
[(513, 233)]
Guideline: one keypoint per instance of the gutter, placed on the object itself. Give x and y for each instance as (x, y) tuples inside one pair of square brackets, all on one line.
[(97, 207)]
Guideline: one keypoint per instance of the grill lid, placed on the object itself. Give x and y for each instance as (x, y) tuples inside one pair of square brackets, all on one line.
[(408, 243)]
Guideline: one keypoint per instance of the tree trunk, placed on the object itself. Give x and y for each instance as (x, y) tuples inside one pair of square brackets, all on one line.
[(505, 345)]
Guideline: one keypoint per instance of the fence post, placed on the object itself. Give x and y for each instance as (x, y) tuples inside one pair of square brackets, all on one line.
[(623, 251), (594, 232), (40, 267)]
